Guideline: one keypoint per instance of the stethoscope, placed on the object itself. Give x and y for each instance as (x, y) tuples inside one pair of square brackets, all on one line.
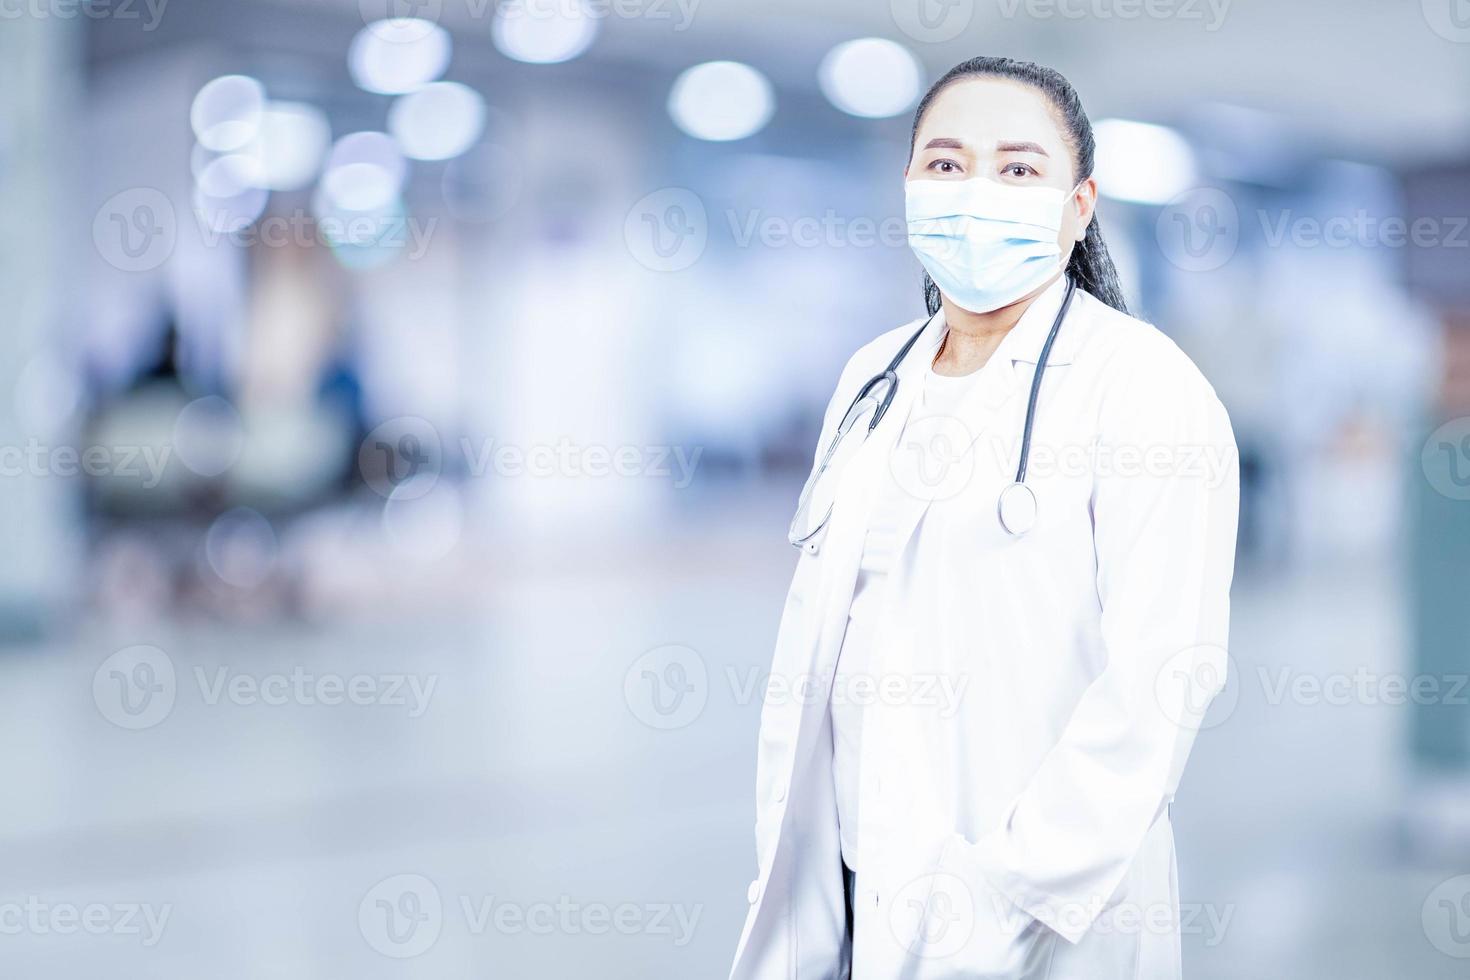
[(1016, 506)]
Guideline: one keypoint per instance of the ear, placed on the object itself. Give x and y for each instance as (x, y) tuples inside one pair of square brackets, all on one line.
[(1084, 199)]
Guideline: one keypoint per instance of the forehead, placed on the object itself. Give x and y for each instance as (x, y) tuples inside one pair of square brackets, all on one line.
[(983, 111)]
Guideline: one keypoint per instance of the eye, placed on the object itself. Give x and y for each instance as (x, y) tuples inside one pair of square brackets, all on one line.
[(1019, 170), (943, 166)]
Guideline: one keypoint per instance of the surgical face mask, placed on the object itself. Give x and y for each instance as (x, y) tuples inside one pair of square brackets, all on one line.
[(985, 244)]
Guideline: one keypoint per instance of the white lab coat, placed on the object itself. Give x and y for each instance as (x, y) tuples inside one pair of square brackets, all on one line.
[(1022, 829)]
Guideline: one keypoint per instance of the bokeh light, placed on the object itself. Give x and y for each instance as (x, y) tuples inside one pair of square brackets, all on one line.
[(721, 100), (229, 193), (1141, 162), (398, 55), (240, 547), (365, 238), (543, 31), (871, 77), (437, 122), (365, 171), (289, 145), (226, 112)]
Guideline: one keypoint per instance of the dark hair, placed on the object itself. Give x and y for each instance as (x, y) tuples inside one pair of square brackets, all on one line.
[(1090, 267)]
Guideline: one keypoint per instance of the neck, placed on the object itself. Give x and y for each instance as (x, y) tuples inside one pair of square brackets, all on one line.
[(973, 337)]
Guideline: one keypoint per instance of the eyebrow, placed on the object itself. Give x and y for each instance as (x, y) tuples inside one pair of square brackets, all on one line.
[(1005, 146), (1021, 147)]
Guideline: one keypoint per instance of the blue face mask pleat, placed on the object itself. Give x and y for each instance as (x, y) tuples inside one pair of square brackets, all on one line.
[(985, 244)]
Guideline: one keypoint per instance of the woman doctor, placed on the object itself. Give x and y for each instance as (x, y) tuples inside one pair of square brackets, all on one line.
[(1012, 595)]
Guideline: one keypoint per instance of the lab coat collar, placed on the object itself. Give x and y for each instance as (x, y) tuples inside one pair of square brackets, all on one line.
[(1001, 378), (1026, 338)]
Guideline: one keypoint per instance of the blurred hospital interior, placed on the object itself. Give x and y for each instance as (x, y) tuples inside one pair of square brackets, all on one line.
[(396, 391)]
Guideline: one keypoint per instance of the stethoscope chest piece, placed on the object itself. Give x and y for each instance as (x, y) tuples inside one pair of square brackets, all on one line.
[(1017, 509)]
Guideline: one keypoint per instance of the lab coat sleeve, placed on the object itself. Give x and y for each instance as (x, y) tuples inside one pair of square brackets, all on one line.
[(772, 742), (1164, 509)]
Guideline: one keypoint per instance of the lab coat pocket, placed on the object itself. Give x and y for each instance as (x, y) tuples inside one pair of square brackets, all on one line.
[(968, 929)]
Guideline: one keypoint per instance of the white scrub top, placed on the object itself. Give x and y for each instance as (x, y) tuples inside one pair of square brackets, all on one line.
[(856, 684)]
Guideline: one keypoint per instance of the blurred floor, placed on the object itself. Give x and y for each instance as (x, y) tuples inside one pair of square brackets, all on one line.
[(564, 836)]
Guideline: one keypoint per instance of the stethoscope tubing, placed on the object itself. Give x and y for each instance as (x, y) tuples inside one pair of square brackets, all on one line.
[(890, 375), (1041, 360)]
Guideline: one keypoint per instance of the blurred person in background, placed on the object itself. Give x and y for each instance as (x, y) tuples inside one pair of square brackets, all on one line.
[(1018, 660)]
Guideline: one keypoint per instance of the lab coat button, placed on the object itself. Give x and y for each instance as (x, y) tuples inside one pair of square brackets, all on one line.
[(753, 892), (781, 795)]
